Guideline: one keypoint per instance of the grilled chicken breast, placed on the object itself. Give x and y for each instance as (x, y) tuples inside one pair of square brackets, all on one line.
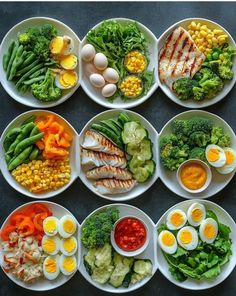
[(179, 57), (91, 159), (107, 172), (113, 186), (96, 142)]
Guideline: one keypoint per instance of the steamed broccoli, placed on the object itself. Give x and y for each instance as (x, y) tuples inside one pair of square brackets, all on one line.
[(197, 124), (216, 133), (197, 153), (181, 129), (97, 228), (198, 93), (224, 141), (183, 87), (199, 139), (225, 72), (48, 31), (46, 90)]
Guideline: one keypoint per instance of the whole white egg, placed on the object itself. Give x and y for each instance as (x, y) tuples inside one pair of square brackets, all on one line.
[(230, 162), (111, 75), (88, 52), (97, 80), (51, 267), (196, 213), (100, 61), (108, 90), (167, 242), (187, 238), (208, 230), (176, 219), (215, 155)]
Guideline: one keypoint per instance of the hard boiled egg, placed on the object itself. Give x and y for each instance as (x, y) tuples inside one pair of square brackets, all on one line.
[(230, 163), (167, 242), (68, 264), (50, 225), (50, 244), (88, 52), (215, 156), (100, 61), (69, 62), (109, 90), (66, 80), (89, 69), (67, 226), (51, 267), (176, 219), (196, 213), (187, 238), (110, 75), (97, 80), (68, 246), (68, 45), (208, 230), (57, 45)]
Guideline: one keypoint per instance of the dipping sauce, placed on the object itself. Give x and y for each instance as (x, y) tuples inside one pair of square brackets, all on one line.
[(130, 234), (193, 176)]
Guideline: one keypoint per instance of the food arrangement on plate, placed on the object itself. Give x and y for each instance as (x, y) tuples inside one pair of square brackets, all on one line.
[(116, 154), (196, 61), (40, 61), (37, 153), (37, 245), (102, 262), (116, 59)]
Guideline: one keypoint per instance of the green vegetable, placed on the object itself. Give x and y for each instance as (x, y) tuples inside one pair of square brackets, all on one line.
[(29, 119), (200, 124), (123, 118), (34, 80), (133, 133), (10, 137), (13, 54), (7, 56), (142, 149), (28, 67), (197, 153), (183, 87), (27, 142), (38, 73), (34, 153), (19, 159), (30, 58), (141, 169), (199, 139), (180, 128), (18, 60)]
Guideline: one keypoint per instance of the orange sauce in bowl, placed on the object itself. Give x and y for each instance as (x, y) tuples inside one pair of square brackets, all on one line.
[(193, 176)]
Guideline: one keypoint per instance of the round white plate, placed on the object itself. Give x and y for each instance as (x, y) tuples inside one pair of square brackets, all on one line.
[(44, 284), (227, 85), (152, 133), (27, 98), (226, 269), (149, 253), (74, 157), (218, 181), (95, 94)]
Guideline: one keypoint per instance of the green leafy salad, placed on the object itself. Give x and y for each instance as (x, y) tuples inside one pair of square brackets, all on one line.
[(195, 244)]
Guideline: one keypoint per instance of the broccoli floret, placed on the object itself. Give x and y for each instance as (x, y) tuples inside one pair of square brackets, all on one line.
[(97, 229), (46, 90), (225, 72), (199, 139), (212, 86), (49, 31), (216, 134), (179, 152), (197, 124), (206, 75), (197, 153), (180, 128), (24, 38), (224, 141), (41, 48), (197, 76), (226, 48), (198, 93), (183, 87)]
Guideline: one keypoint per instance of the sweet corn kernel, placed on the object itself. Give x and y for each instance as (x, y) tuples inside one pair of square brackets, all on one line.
[(135, 62), (131, 86)]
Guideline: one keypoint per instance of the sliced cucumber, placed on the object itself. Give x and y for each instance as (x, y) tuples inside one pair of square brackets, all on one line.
[(143, 149), (117, 123), (123, 118), (143, 267), (133, 133), (141, 169), (111, 126)]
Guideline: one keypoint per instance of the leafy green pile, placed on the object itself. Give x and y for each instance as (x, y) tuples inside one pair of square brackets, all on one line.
[(206, 260), (189, 139), (97, 228), (115, 40), (209, 80)]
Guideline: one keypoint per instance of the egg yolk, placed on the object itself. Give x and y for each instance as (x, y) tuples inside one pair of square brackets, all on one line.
[(50, 265), (69, 244), (209, 231), (186, 237), (213, 154), (177, 219), (57, 45), (69, 62), (68, 79), (69, 226), (168, 239), (196, 215), (69, 264), (229, 157), (50, 225), (49, 245)]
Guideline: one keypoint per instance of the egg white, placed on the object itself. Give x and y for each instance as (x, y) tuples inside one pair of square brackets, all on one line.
[(190, 210), (222, 158), (228, 168), (191, 245), (168, 219), (88, 52), (100, 61), (168, 249), (54, 275), (61, 230), (202, 227), (57, 242), (51, 218), (61, 260), (63, 249), (97, 80)]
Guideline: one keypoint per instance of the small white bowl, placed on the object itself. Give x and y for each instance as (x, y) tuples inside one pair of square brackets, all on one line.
[(227, 85), (28, 99), (95, 93), (131, 253), (204, 165)]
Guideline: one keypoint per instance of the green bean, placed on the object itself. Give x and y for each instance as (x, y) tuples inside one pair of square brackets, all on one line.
[(5, 61), (7, 158), (12, 59), (34, 153), (27, 142), (7, 56), (17, 61), (33, 80), (26, 75), (20, 158), (27, 68), (34, 131), (30, 58), (38, 73), (10, 137), (29, 119)]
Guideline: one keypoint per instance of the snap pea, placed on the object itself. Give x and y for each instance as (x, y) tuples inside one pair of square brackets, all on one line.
[(13, 54), (29, 119), (34, 131), (33, 80), (27, 68), (7, 56), (27, 142), (38, 73), (26, 75), (20, 158), (34, 153), (16, 62), (30, 58), (10, 137)]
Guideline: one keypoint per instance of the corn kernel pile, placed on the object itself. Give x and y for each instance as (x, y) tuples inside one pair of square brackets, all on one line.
[(131, 86), (43, 175), (135, 62), (206, 38)]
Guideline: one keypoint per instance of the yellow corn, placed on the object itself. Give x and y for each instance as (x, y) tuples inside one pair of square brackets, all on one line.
[(131, 86), (135, 62)]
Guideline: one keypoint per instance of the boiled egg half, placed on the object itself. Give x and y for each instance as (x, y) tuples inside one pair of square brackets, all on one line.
[(176, 219), (50, 244), (66, 80), (67, 226), (215, 155), (230, 163), (50, 225), (196, 213), (167, 242), (208, 230), (51, 267), (68, 246), (68, 264), (187, 238)]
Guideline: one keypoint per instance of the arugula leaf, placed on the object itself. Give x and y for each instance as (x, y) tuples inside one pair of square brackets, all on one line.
[(161, 228), (212, 273), (180, 252), (177, 274)]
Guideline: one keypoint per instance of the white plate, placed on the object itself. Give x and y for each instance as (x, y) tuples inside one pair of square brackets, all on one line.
[(74, 157), (218, 181), (227, 85), (27, 98), (140, 188), (95, 94), (149, 253), (44, 284), (226, 269)]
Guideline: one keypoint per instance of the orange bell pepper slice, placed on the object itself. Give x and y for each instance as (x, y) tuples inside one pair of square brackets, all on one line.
[(56, 128), (67, 136), (44, 122), (40, 144), (26, 227), (52, 149), (38, 220), (16, 219), (5, 232)]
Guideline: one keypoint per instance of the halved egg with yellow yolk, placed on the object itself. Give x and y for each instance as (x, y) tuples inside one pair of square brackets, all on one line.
[(61, 45), (50, 244), (68, 246), (68, 264), (66, 80), (215, 155), (67, 226), (176, 219), (208, 230), (187, 238), (196, 213), (51, 267), (69, 62), (230, 163), (167, 242)]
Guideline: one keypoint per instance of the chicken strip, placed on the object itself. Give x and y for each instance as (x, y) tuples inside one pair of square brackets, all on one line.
[(107, 172), (114, 186)]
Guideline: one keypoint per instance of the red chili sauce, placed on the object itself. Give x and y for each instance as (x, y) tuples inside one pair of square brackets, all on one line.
[(130, 234)]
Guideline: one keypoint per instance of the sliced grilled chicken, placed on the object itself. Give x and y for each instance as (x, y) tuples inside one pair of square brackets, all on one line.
[(107, 172), (96, 142), (91, 159), (179, 57), (114, 186)]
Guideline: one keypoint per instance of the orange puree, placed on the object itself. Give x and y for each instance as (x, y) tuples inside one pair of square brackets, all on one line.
[(193, 176)]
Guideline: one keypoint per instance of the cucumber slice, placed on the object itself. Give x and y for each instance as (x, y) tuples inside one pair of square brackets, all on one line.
[(143, 149), (111, 126), (133, 133), (116, 123), (141, 169), (108, 133), (123, 118), (143, 267)]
